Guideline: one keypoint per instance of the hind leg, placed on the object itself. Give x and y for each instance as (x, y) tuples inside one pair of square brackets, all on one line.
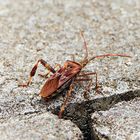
[(33, 71), (46, 75)]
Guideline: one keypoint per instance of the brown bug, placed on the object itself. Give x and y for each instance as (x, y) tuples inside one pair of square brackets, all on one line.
[(66, 75)]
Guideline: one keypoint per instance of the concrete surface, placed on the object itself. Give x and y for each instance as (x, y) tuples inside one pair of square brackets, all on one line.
[(39, 127), (49, 29), (121, 122)]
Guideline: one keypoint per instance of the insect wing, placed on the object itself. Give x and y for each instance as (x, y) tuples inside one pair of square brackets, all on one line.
[(50, 86), (66, 76)]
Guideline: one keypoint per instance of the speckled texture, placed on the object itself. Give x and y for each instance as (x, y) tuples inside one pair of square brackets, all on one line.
[(40, 127), (49, 30), (121, 122)]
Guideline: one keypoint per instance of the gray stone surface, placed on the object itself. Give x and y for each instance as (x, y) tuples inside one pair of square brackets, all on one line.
[(49, 29), (39, 127), (121, 122)]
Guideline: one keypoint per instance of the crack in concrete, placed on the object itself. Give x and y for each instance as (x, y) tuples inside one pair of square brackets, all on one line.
[(80, 113)]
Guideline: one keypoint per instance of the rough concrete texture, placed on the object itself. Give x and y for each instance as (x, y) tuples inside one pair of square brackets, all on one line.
[(121, 122), (39, 127), (49, 29)]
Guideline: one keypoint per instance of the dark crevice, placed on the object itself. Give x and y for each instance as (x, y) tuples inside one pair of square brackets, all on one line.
[(80, 113), (81, 118)]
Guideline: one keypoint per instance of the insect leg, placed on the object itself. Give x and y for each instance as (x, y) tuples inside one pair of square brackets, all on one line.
[(91, 73), (87, 88), (65, 100), (45, 75), (83, 79), (33, 71)]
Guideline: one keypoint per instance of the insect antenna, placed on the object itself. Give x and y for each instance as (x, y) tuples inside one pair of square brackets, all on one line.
[(85, 45), (85, 61), (106, 55)]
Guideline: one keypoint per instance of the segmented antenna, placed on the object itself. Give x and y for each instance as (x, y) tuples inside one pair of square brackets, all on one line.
[(106, 55), (85, 45)]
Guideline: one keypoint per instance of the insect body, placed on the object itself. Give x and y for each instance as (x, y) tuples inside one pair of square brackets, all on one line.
[(59, 78), (66, 75)]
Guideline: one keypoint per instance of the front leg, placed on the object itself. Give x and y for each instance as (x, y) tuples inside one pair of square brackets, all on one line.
[(90, 73)]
